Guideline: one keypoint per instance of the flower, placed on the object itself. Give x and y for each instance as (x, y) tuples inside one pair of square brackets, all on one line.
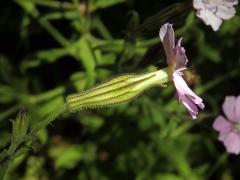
[(177, 61), (229, 127), (212, 12)]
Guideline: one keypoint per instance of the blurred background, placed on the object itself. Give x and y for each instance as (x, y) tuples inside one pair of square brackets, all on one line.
[(52, 48)]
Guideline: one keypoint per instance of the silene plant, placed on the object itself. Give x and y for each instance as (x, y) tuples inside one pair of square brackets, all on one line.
[(126, 87), (120, 89)]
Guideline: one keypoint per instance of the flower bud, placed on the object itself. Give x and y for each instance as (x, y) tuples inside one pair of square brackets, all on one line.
[(122, 88), (19, 127)]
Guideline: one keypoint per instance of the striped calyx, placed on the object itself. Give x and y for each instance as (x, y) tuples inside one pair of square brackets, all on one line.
[(122, 88)]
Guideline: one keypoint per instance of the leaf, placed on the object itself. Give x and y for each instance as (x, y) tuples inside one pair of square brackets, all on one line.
[(168, 177), (79, 80), (92, 122), (7, 94), (67, 156), (102, 4), (50, 106), (210, 53), (84, 53), (28, 6), (45, 56), (5, 69), (133, 20)]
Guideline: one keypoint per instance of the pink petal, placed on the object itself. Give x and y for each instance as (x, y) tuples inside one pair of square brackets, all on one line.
[(191, 107), (213, 11), (221, 124), (209, 19), (230, 3), (202, 15), (229, 107), (237, 109), (232, 143), (167, 37), (197, 4), (183, 88), (189, 99), (223, 134), (181, 58), (225, 12), (213, 20)]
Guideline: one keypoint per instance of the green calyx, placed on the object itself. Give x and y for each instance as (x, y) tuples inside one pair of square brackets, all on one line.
[(122, 88)]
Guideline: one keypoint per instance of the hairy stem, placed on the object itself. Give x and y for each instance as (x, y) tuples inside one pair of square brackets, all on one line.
[(51, 117)]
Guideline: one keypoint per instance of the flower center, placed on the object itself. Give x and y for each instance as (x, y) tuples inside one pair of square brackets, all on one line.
[(236, 126)]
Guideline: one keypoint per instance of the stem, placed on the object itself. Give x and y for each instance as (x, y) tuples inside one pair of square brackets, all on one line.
[(54, 32), (51, 117), (217, 81), (188, 125), (55, 4), (3, 169), (45, 24), (47, 95), (12, 152), (219, 162), (102, 29), (147, 43), (8, 112)]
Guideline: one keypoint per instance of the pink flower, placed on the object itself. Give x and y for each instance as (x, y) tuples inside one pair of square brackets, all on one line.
[(177, 60), (212, 12), (229, 127)]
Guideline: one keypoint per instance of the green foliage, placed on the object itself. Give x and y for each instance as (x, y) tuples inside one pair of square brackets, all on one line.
[(101, 4), (52, 48)]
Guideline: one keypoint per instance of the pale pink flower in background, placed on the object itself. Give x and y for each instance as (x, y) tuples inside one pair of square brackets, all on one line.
[(212, 12), (229, 127), (177, 61)]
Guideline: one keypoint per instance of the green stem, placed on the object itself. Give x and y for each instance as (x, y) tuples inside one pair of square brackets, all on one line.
[(219, 162), (12, 151), (216, 81), (102, 29), (54, 32), (45, 24), (188, 125), (147, 43), (55, 4), (3, 169), (9, 112), (47, 95), (51, 117), (5, 166)]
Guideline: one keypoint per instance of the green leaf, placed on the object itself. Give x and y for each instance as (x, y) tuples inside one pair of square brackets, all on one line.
[(85, 54), (50, 106), (5, 69), (167, 177), (67, 156), (28, 6), (92, 122), (45, 56), (101, 4), (7, 94), (79, 80)]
